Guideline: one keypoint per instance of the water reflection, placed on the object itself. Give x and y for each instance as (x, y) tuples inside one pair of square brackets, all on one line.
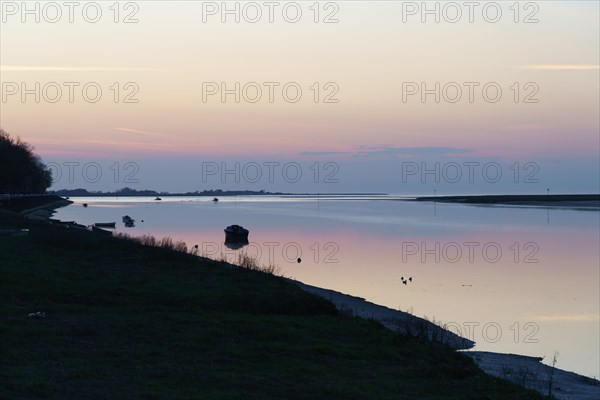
[(235, 245), (511, 278)]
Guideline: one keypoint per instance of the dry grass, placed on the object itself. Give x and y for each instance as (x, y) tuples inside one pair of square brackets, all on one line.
[(163, 243), (244, 260)]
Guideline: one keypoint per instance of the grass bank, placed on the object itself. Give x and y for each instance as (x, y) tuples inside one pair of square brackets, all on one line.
[(127, 321)]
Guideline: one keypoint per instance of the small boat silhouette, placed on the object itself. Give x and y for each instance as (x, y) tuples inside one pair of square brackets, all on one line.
[(236, 236), (105, 224)]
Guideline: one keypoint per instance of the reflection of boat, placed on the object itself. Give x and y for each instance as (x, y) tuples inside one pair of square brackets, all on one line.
[(235, 245), (106, 224), (236, 237), (215, 199), (158, 199)]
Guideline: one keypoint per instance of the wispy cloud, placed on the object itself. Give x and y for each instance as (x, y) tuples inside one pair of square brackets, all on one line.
[(323, 153), (127, 146), (567, 318), (411, 151), (562, 67), (23, 68), (521, 128), (392, 151), (139, 132)]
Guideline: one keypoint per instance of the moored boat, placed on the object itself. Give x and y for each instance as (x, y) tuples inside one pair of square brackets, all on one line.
[(236, 235), (106, 224)]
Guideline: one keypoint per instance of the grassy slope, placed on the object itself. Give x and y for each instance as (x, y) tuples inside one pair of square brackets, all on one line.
[(127, 322)]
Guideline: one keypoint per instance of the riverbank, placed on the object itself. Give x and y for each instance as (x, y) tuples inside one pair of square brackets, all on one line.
[(577, 201), (529, 372), (526, 371), (91, 316), (31, 204)]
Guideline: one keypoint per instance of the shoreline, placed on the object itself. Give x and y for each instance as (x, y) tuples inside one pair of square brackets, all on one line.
[(569, 201), (526, 371), (45, 212), (394, 320), (36, 206)]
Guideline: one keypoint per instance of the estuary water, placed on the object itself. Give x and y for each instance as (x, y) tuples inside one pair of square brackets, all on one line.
[(521, 280)]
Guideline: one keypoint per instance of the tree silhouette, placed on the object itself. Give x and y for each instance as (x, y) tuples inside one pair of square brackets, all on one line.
[(21, 170)]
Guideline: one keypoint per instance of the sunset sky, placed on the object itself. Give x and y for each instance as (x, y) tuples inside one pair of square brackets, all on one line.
[(172, 60)]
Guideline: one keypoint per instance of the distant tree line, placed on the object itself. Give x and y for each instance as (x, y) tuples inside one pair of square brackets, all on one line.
[(126, 191), (21, 170), (134, 192)]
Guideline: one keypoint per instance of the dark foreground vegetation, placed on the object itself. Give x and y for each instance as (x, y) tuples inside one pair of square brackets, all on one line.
[(23, 203), (21, 170), (126, 321)]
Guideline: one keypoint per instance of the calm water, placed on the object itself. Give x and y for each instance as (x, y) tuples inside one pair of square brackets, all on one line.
[(514, 279)]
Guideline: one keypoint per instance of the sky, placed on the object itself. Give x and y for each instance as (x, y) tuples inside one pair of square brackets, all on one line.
[(348, 96)]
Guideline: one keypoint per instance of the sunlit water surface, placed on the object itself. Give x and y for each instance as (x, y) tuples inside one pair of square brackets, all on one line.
[(514, 279)]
